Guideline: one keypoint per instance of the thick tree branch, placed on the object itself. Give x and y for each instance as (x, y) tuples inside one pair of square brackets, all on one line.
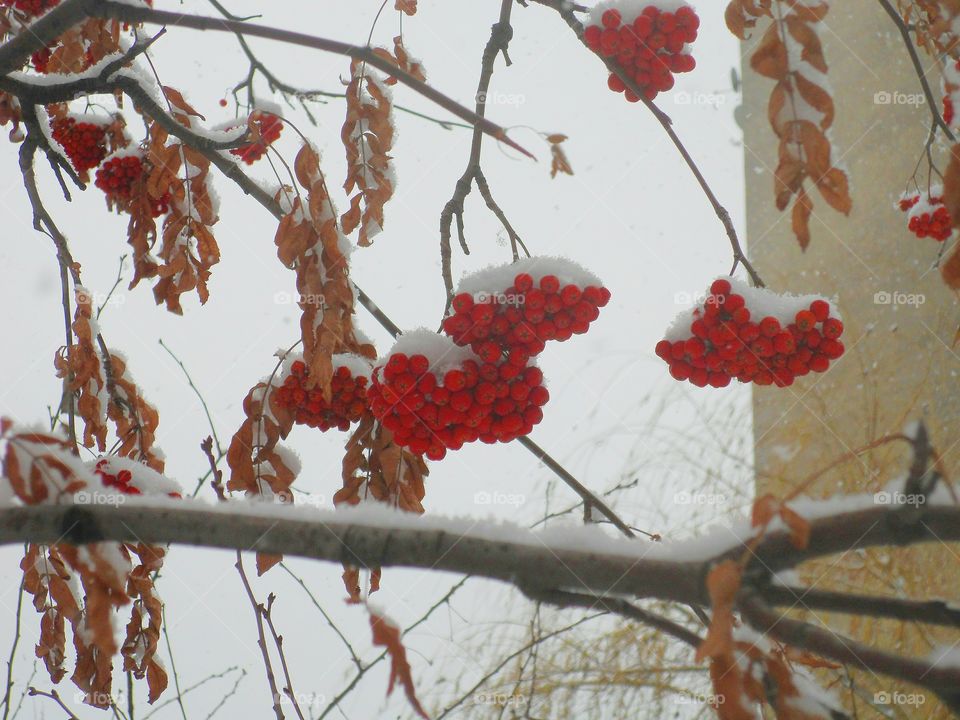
[(618, 606), (610, 566), (942, 679), (346, 537), (933, 612)]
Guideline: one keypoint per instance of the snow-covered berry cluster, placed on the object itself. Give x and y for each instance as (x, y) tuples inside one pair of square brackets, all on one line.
[(527, 319), (120, 480), (548, 299), (348, 399), (753, 335), (269, 126), (648, 41), (443, 397), (927, 216), (84, 142), (120, 176), (113, 474), (31, 8), (438, 393)]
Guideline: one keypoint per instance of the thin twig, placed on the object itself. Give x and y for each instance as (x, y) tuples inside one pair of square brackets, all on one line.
[(55, 696), (335, 702), (267, 613), (918, 67), (190, 688), (196, 391), (500, 36), (739, 257), (13, 651), (173, 664), (353, 655), (261, 639), (509, 658)]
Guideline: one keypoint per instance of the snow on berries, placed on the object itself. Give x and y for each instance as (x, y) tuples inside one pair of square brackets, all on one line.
[(436, 396), (83, 138), (122, 175), (129, 477), (753, 335), (522, 305), (649, 41), (348, 399), (927, 216), (267, 127)]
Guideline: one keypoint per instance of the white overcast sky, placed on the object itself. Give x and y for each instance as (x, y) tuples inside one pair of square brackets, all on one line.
[(632, 214)]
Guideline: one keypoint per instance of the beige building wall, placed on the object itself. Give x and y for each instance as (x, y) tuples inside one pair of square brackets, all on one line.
[(900, 364)]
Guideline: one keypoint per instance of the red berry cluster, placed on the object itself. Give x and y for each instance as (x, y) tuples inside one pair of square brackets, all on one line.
[(927, 215), (649, 49), (119, 176), (726, 343), (270, 127), (120, 481), (347, 400), (41, 59), (31, 7), (85, 143), (473, 401), (523, 317)]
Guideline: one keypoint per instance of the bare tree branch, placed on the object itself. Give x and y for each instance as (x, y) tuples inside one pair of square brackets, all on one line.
[(941, 679)]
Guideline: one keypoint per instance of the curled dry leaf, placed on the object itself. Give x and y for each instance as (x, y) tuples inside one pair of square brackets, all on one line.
[(367, 135), (801, 108), (139, 648), (79, 364), (40, 467), (46, 578), (376, 468), (258, 465), (408, 7), (135, 419), (387, 635), (558, 158), (742, 15), (188, 249)]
